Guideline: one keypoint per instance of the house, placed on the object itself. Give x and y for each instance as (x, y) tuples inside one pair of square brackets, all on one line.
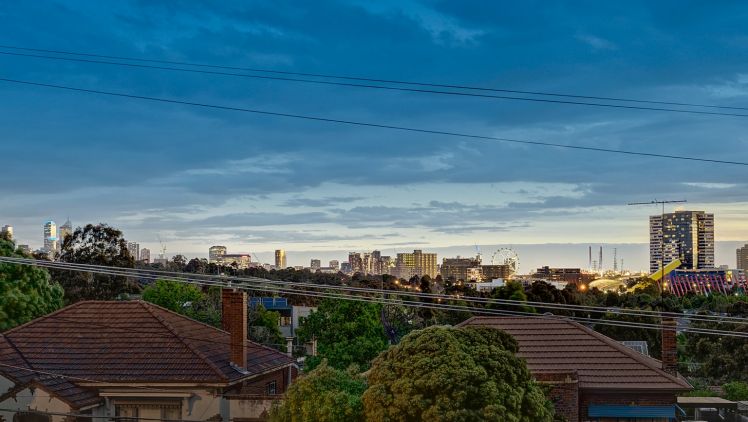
[(135, 359), (289, 314), (592, 377)]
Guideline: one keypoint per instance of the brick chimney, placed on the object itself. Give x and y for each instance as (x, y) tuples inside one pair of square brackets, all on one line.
[(234, 320), (669, 346)]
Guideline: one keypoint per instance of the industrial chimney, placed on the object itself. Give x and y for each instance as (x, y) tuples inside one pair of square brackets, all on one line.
[(234, 320)]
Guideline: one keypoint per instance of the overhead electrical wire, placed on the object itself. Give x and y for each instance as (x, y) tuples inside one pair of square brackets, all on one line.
[(413, 303), (381, 87), (376, 80), (373, 125)]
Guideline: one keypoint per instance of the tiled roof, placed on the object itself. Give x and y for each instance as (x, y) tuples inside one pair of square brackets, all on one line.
[(129, 341), (556, 344)]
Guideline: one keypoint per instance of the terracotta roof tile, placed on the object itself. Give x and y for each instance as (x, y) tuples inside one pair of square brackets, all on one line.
[(557, 344)]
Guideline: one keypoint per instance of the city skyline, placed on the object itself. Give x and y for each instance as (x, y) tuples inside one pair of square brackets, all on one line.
[(248, 182)]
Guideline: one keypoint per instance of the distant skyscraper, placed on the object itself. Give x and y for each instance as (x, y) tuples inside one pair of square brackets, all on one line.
[(145, 255), (316, 264), (134, 249), (743, 257), (65, 231), (216, 253), (345, 267), (417, 263), (684, 235), (50, 237), (7, 229), (280, 259), (335, 264)]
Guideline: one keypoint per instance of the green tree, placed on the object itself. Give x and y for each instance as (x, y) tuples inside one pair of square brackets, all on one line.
[(172, 295), (96, 245), (347, 332), (264, 327), (25, 291), (454, 374), (326, 394), (736, 391)]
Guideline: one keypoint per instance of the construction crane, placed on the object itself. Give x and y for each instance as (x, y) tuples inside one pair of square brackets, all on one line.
[(661, 277)]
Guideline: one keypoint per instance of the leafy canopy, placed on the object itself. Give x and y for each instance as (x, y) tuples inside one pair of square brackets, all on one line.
[(454, 374), (325, 394), (25, 291)]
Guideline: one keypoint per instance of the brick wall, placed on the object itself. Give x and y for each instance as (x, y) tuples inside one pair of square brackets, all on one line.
[(562, 388), (669, 347), (257, 386)]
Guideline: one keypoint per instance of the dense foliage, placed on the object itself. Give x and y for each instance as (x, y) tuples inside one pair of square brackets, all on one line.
[(325, 394), (347, 332), (454, 374), (172, 295), (25, 291), (96, 245), (264, 327)]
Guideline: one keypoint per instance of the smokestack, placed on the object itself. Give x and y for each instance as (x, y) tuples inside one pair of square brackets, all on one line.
[(669, 346), (234, 320)]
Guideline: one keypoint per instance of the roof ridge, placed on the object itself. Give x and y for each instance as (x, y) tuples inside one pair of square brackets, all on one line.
[(639, 357), (147, 306)]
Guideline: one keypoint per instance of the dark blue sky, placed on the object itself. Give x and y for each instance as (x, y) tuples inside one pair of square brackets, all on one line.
[(254, 183)]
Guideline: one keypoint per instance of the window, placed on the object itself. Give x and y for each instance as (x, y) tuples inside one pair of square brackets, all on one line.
[(131, 412), (271, 388)]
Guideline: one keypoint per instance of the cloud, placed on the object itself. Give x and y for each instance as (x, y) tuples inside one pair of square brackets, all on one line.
[(596, 43)]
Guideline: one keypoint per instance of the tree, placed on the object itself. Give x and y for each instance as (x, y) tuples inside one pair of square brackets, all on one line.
[(172, 295), (96, 245), (25, 291), (325, 394), (347, 332), (454, 374), (264, 327)]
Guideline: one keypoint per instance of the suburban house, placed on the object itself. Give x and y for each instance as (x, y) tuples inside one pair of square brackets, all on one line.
[(593, 377), (137, 360)]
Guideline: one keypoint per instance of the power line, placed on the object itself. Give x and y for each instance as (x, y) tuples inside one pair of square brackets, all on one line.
[(428, 305), (376, 80), (225, 281), (373, 125), (381, 87)]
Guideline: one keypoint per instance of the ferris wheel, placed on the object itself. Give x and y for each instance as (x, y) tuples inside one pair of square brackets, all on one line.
[(506, 256)]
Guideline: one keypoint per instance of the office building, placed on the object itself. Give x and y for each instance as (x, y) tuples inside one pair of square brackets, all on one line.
[(370, 263), (134, 249), (568, 275), (145, 255), (461, 269), (743, 257), (240, 261), (7, 229), (216, 253), (684, 235), (65, 231), (496, 271), (335, 264), (345, 268), (417, 263), (50, 237), (280, 259), (315, 264)]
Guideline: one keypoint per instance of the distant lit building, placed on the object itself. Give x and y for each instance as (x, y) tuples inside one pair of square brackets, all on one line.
[(134, 249), (280, 259), (145, 255), (65, 231), (50, 237), (370, 263), (743, 257), (684, 235), (335, 264), (494, 271), (417, 263), (315, 264), (240, 261), (568, 275), (7, 229), (216, 253), (705, 281), (461, 269)]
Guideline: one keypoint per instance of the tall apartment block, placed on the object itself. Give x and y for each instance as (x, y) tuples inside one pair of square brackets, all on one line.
[(684, 235)]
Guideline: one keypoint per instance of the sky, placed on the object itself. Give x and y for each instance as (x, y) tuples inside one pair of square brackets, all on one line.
[(197, 177)]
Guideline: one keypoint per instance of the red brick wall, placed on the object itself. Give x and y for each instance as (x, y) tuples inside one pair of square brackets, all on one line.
[(257, 385), (669, 347), (563, 391)]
